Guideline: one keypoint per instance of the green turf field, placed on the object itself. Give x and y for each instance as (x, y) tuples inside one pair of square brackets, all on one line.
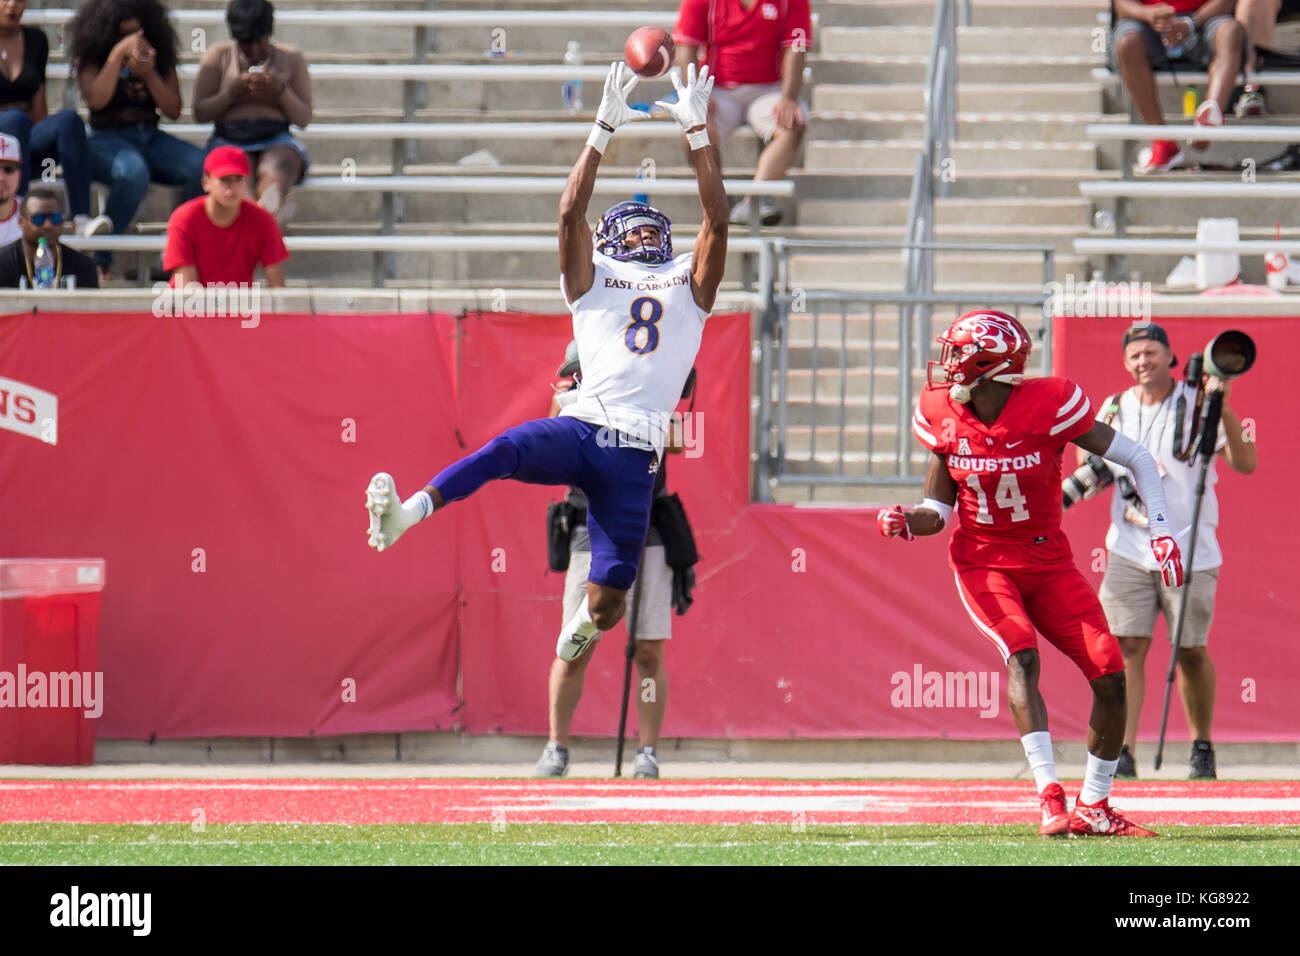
[(633, 844)]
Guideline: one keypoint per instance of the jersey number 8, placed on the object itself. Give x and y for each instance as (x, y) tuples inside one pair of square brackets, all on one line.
[(642, 336)]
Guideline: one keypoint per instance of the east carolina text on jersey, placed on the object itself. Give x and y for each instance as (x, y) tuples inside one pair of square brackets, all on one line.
[(638, 330)]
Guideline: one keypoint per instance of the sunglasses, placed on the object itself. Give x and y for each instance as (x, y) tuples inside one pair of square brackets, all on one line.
[(38, 218)]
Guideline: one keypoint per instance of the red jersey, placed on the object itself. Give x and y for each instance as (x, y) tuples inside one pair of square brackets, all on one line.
[(744, 45), (1008, 474), (223, 253), (1180, 6)]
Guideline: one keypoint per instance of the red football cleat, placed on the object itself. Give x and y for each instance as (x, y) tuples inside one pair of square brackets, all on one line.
[(1098, 819), (1056, 819)]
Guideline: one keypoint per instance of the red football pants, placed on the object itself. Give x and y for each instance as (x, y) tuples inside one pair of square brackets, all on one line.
[(1008, 604)]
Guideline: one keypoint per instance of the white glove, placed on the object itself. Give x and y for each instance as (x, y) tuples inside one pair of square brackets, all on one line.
[(692, 106), (613, 111)]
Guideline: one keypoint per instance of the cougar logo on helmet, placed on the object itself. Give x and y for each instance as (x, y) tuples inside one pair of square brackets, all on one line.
[(977, 348)]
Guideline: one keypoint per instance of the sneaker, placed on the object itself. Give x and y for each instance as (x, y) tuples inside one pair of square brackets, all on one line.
[(1098, 819), (387, 519), (646, 765), (99, 226), (740, 212), (1161, 155), (1251, 102), (1202, 761), (1126, 769), (768, 213), (1207, 114), (554, 761), (1056, 818), (571, 646)]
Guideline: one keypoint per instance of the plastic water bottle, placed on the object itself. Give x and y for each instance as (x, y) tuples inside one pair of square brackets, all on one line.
[(43, 265), (571, 90)]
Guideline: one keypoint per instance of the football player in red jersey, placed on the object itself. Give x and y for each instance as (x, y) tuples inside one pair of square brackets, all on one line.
[(997, 440)]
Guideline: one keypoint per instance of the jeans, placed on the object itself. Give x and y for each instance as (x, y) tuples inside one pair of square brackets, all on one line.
[(128, 158), (60, 137)]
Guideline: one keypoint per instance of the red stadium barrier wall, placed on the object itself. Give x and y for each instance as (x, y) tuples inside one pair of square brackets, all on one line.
[(255, 445)]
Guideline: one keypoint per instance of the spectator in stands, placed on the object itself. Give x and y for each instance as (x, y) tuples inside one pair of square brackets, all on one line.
[(756, 51), (11, 174), (252, 89), (25, 116), (41, 217), (222, 237), (1259, 17), (125, 55), (1192, 34)]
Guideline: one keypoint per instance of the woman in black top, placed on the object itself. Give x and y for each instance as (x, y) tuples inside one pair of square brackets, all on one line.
[(45, 140), (125, 54)]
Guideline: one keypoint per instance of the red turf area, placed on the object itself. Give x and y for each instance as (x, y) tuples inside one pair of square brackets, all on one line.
[(596, 801)]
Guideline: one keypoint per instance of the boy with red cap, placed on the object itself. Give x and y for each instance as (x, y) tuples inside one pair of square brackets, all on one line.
[(223, 236)]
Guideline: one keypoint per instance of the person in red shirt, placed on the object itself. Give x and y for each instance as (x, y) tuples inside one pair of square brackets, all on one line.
[(223, 236), (756, 50), (997, 442), (1195, 34)]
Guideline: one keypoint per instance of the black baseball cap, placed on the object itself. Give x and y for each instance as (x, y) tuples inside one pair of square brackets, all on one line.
[(1146, 330)]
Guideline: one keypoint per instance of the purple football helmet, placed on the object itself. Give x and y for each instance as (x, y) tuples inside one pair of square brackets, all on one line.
[(626, 217)]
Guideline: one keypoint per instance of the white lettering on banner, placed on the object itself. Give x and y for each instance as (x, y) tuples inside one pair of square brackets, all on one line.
[(29, 410), (964, 463), (946, 689)]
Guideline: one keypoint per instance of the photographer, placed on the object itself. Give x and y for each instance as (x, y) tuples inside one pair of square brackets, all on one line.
[(1161, 414), (667, 582)]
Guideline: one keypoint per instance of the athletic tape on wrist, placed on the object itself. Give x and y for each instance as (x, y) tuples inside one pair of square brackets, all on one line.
[(934, 504), (599, 138), (699, 139)]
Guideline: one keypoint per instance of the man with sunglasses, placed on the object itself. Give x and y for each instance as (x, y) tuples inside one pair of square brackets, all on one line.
[(1159, 413), (41, 217)]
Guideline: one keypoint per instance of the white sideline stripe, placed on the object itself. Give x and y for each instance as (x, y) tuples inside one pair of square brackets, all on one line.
[(1078, 393), (1087, 407), (987, 631), (819, 804)]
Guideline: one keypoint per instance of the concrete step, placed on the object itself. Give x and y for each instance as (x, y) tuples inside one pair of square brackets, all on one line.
[(856, 324), (913, 68), (985, 13), (791, 492), (886, 183), (870, 154), (1082, 97), (1056, 237), (971, 41), (953, 268), (1050, 211), (902, 124)]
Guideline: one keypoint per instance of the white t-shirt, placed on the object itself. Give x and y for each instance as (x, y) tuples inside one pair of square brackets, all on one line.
[(638, 330), (1152, 427), (10, 231)]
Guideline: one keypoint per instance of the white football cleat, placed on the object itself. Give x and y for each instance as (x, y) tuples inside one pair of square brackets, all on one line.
[(387, 518)]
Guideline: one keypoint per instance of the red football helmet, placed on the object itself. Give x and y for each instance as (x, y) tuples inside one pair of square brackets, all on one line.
[(979, 347)]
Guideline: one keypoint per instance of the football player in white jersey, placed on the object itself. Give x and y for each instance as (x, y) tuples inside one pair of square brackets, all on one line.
[(638, 316)]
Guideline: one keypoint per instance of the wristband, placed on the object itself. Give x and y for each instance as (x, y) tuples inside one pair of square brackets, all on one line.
[(599, 138), (698, 139), (934, 504)]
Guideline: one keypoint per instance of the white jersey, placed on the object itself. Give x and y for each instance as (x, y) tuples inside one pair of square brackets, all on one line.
[(1152, 427), (638, 330)]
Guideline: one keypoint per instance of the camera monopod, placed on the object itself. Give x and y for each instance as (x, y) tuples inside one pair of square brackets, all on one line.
[(1228, 355)]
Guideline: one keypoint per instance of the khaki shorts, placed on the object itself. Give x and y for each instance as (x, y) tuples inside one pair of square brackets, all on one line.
[(750, 106), (656, 611), (1132, 596)]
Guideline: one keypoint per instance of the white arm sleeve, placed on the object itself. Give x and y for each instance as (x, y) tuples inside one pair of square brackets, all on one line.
[(934, 504), (1125, 451)]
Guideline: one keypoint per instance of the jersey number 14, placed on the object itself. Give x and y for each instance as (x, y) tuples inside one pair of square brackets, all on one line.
[(1007, 495)]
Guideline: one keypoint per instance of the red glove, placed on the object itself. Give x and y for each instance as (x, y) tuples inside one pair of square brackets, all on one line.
[(1170, 560), (893, 523)]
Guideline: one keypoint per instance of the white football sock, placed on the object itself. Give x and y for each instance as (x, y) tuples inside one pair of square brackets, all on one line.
[(1038, 748), (417, 507), (581, 622), (1098, 779)]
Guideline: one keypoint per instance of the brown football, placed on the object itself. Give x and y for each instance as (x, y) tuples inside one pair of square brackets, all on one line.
[(649, 51)]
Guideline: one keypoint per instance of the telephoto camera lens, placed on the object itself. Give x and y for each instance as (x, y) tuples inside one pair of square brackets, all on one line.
[(1091, 477)]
